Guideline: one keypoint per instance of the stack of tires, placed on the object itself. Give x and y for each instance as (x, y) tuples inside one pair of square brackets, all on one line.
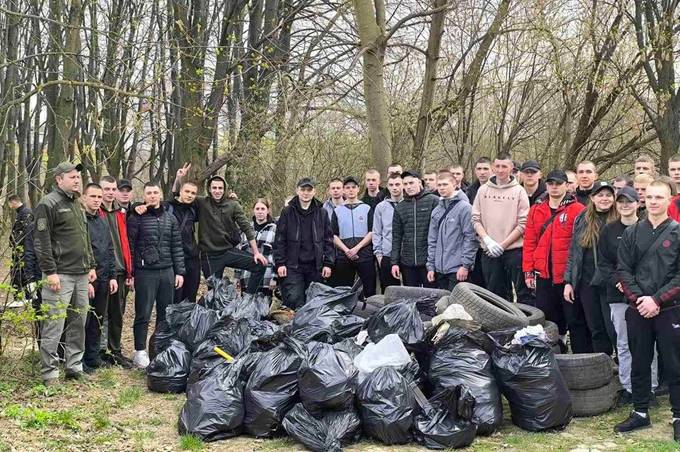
[(591, 382)]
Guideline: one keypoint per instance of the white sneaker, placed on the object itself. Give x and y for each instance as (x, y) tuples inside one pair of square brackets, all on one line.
[(140, 359)]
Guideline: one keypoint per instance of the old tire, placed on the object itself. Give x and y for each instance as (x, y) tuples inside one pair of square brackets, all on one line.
[(552, 333), (534, 315), (365, 310), (487, 308), (585, 370), (424, 297), (592, 402)]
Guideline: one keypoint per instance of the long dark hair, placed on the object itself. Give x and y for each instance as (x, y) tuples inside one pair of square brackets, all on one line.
[(591, 234)]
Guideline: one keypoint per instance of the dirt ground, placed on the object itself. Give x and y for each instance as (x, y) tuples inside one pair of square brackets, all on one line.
[(115, 411)]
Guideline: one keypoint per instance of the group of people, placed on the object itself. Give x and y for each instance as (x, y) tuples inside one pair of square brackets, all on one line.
[(600, 258)]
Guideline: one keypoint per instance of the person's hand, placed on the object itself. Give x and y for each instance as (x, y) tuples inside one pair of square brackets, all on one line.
[(92, 276), (619, 286), (350, 253), (179, 280), (530, 280), (232, 195), (430, 276), (569, 293), (113, 286), (282, 271), (326, 272), (462, 274), (129, 282), (396, 274), (647, 307), (260, 259), (183, 171), (493, 248), (90, 291), (141, 209), (53, 282)]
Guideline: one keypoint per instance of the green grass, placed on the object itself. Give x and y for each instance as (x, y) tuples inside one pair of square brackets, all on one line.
[(128, 396), (39, 418), (106, 378), (190, 442)]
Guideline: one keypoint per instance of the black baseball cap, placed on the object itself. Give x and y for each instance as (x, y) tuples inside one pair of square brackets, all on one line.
[(557, 175), (629, 193), (65, 167), (600, 185), (306, 182), (350, 180), (530, 165), (411, 173), (124, 183)]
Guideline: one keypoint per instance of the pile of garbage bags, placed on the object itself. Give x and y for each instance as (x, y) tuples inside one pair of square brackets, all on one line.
[(328, 378)]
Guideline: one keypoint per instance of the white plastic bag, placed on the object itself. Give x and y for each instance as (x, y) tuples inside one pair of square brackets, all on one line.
[(390, 351)]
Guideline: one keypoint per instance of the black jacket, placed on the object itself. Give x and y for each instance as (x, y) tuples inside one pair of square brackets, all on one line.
[(102, 246), (471, 190), (646, 271), (186, 216), (410, 226), (583, 196), (607, 250), (24, 262), (155, 241), (573, 273), (540, 190), (288, 234)]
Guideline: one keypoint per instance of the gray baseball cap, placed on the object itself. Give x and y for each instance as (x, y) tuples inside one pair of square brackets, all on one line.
[(65, 167)]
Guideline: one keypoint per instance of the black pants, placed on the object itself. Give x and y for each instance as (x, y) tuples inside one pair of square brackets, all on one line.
[(345, 272), (234, 258), (415, 276), (386, 278), (642, 334), (476, 276), (594, 301), (114, 314), (94, 322), (294, 286), (192, 278), (550, 300), (151, 286), (496, 273), (446, 281)]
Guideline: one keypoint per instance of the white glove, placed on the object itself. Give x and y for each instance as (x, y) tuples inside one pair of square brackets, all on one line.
[(493, 249)]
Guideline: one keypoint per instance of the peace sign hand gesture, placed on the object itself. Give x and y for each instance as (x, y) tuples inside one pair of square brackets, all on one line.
[(184, 170)]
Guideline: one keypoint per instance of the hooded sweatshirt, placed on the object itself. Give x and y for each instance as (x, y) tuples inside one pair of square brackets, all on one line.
[(220, 224), (501, 209)]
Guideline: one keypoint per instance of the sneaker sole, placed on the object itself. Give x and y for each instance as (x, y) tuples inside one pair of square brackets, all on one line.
[(634, 430)]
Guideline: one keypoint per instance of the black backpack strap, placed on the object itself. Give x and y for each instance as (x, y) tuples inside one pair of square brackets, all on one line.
[(446, 212), (546, 224)]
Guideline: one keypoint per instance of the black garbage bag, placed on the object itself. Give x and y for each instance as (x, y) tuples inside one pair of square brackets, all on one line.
[(459, 359), (387, 406), (177, 314), (327, 433), (400, 318), (349, 347), (196, 326), (160, 339), (222, 295), (326, 379), (529, 377), (252, 306), (346, 327), (342, 299), (444, 421), (272, 389), (168, 372), (321, 318), (214, 408)]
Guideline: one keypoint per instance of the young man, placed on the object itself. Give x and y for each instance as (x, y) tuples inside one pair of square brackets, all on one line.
[(499, 215), (410, 226), (621, 181), (116, 218), (458, 173), (352, 226), (546, 248), (586, 175), (24, 272), (374, 192), (640, 184), (65, 257), (106, 283), (221, 222), (627, 201), (531, 180), (124, 195), (649, 273), (430, 179), (452, 244), (156, 248), (184, 209), (303, 244), (572, 183), (645, 165), (482, 175), (674, 170), (334, 197), (382, 230)]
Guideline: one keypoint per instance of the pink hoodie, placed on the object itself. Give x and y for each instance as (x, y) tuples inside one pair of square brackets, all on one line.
[(501, 209)]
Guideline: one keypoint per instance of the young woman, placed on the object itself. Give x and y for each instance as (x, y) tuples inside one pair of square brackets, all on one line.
[(586, 308), (265, 231)]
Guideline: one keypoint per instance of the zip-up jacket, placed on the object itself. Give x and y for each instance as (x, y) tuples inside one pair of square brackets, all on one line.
[(472, 190), (287, 241), (61, 241), (646, 272), (574, 269), (583, 196), (329, 207), (548, 253), (410, 226), (501, 209), (352, 222), (452, 242), (540, 191), (607, 251), (673, 209), (220, 224), (24, 262), (382, 227), (155, 241), (102, 246), (117, 221), (373, 201), (186, 215)]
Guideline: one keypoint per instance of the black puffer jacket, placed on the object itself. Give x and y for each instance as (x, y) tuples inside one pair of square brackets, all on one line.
[(155, 241), (410, 226), (102, 246)]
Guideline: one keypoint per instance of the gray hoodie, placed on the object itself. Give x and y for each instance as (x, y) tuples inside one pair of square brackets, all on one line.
[(454, 243), (382, 227)]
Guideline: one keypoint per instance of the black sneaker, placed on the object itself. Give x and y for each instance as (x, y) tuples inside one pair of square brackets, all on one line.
[(122, 361), (676, 431), (634, 422), (661, 390), (76, 375), (89, 369), (624, 398)]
